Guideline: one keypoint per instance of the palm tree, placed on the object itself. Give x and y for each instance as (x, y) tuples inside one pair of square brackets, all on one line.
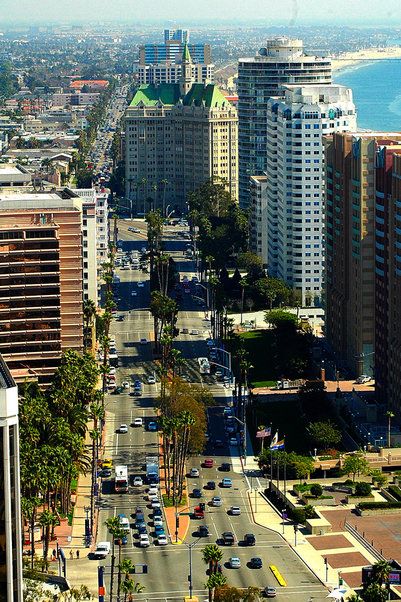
[(164, 183), (46, 520), (113, 525), (215, 580), (126, 567), (212, 555), (89, 315), (129, 587), (389, 415), (380, 572)]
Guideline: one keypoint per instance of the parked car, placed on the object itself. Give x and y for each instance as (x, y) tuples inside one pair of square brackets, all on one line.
[(143, 341), (162, 539), (158, 521), (144, 540), (151, 380), (102, 549), (270, 592), (138, 482), (152, 426)]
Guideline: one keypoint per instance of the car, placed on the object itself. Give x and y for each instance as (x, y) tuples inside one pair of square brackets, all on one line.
[(184, 330), (249, 539), (157, 521), (140, 284), (208, 463), (112, 370), (144, 250), (228, 538), (123, 428), (194, 331), (203, 531), (151, 380), (197, 493), (270, 592), (138, 422), (256, 563), (218, 374), (210, 342), (105, 473), (233, 441), (118, 390), (125, 384), (134, 294), (140, 526), (123, 539), (211, 485), (162, 539), (159, 529), (153, 490), (124, 522), (234, 562), (225, 467), (144, 540), (138, 481), (216, 501), (102, 549), (364, 378), (226, 483), (194, 472), (107, 463), (143, 341), (230, 429), (152, 426), (235, 510), (218, 443), (157, 512), (137, 384)]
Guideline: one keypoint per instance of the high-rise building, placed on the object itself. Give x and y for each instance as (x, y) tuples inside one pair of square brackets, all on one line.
[(359, 226), (10, 503), (178, 136), (295, 181), (41, 281), (280, 63), (161, 63), (258, 217)]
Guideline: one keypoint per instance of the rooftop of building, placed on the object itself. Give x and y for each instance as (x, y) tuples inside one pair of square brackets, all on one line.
[(28, 198), (79, 83), (6, 380), (199, 95), (10, 169)]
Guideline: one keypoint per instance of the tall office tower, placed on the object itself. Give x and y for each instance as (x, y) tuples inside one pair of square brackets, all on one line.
[(10, 504), (358, 186), (161, 63), (41, 278), (258, 217), (281, 62), (295, 181), (178, 136)]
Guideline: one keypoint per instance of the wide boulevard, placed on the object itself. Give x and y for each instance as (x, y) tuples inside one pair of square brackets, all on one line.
[(168, 566)]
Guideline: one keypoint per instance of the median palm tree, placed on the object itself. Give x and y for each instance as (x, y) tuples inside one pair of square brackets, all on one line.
[(215, 580), (212, 555), (114, 527), (129, 587)]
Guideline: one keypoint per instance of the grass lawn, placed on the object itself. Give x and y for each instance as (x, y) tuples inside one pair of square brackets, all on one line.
[(272, 358), (284, 416)]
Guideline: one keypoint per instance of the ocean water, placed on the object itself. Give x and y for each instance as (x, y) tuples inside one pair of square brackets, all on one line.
[(376, 89)]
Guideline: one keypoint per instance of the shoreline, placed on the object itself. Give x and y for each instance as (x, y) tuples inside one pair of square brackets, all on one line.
[(349, 59)]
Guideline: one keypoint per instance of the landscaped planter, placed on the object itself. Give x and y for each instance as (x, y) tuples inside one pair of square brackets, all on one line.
[(323, 501), (358, 499), (377, 511)]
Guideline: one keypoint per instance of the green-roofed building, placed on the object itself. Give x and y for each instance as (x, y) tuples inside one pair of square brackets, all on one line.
[(177, 136)]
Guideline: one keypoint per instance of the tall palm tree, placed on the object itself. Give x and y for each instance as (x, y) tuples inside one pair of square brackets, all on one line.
[(113, 525), (89, 315), (215, 580), (380, 572), (389, 415), (46, 520), (212, 555), (129, 587)]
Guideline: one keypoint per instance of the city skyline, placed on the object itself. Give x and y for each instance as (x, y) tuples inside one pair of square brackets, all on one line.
[(292, 12)]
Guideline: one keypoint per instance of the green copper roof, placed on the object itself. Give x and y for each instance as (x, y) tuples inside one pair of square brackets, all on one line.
[(186, 56), (150, 95), (169, 94)]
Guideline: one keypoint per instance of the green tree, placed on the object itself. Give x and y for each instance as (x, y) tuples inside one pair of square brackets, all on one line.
[(378, 478), (282, 320), (303, 465), (272, 291), (355, 464), (363, 489), (324, 434), (212, 555), (316, 490), (374, 593)]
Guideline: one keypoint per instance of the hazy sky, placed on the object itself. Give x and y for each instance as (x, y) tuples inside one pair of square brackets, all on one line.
[(180, 11)]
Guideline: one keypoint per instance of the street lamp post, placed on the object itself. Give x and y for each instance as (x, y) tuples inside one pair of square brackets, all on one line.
[(190, 546)]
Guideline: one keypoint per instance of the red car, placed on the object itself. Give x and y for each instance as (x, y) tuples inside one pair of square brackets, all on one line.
[(208, 463)]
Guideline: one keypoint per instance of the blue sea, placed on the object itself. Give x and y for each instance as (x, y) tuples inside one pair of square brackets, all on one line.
[(376, 88)]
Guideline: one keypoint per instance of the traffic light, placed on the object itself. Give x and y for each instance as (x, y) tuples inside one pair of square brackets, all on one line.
[(177, 522)]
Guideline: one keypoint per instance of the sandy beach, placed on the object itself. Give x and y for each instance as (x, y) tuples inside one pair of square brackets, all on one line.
[(347, 59)]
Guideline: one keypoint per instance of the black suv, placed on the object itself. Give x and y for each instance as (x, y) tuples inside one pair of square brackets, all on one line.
[(225, 467), (203, 531), (228, 538), (211, 485), (249, 539)]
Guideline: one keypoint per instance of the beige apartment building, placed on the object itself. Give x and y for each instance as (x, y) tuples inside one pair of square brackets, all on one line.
[(177, 136), (41, 281)]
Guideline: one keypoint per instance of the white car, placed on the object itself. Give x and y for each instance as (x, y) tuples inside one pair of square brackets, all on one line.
[(123, 428), (235, 510), (162, 540), (140, 284), (157, 521), (233, 441), (138, 422), (102, 549), (125, 384), (235, 562), (134, 294), (144, 540), (153, 489), (216, 501), (156, 503), (138, 482), (143, 341), (151, 380), (194, 472)]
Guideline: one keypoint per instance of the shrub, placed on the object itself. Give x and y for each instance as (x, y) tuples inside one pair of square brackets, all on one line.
[(395, 492), (298, 515), (362, 489), (378, 505), (316, 490)]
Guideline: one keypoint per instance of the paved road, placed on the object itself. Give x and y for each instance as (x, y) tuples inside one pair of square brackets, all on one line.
[(168, 566)]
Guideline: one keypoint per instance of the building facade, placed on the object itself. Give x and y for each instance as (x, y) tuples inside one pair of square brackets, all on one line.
[(358, 265), (280, 63), (258, 217), (295, 181), (10, 502), (178, 136), (161, 63), (41, 281)]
